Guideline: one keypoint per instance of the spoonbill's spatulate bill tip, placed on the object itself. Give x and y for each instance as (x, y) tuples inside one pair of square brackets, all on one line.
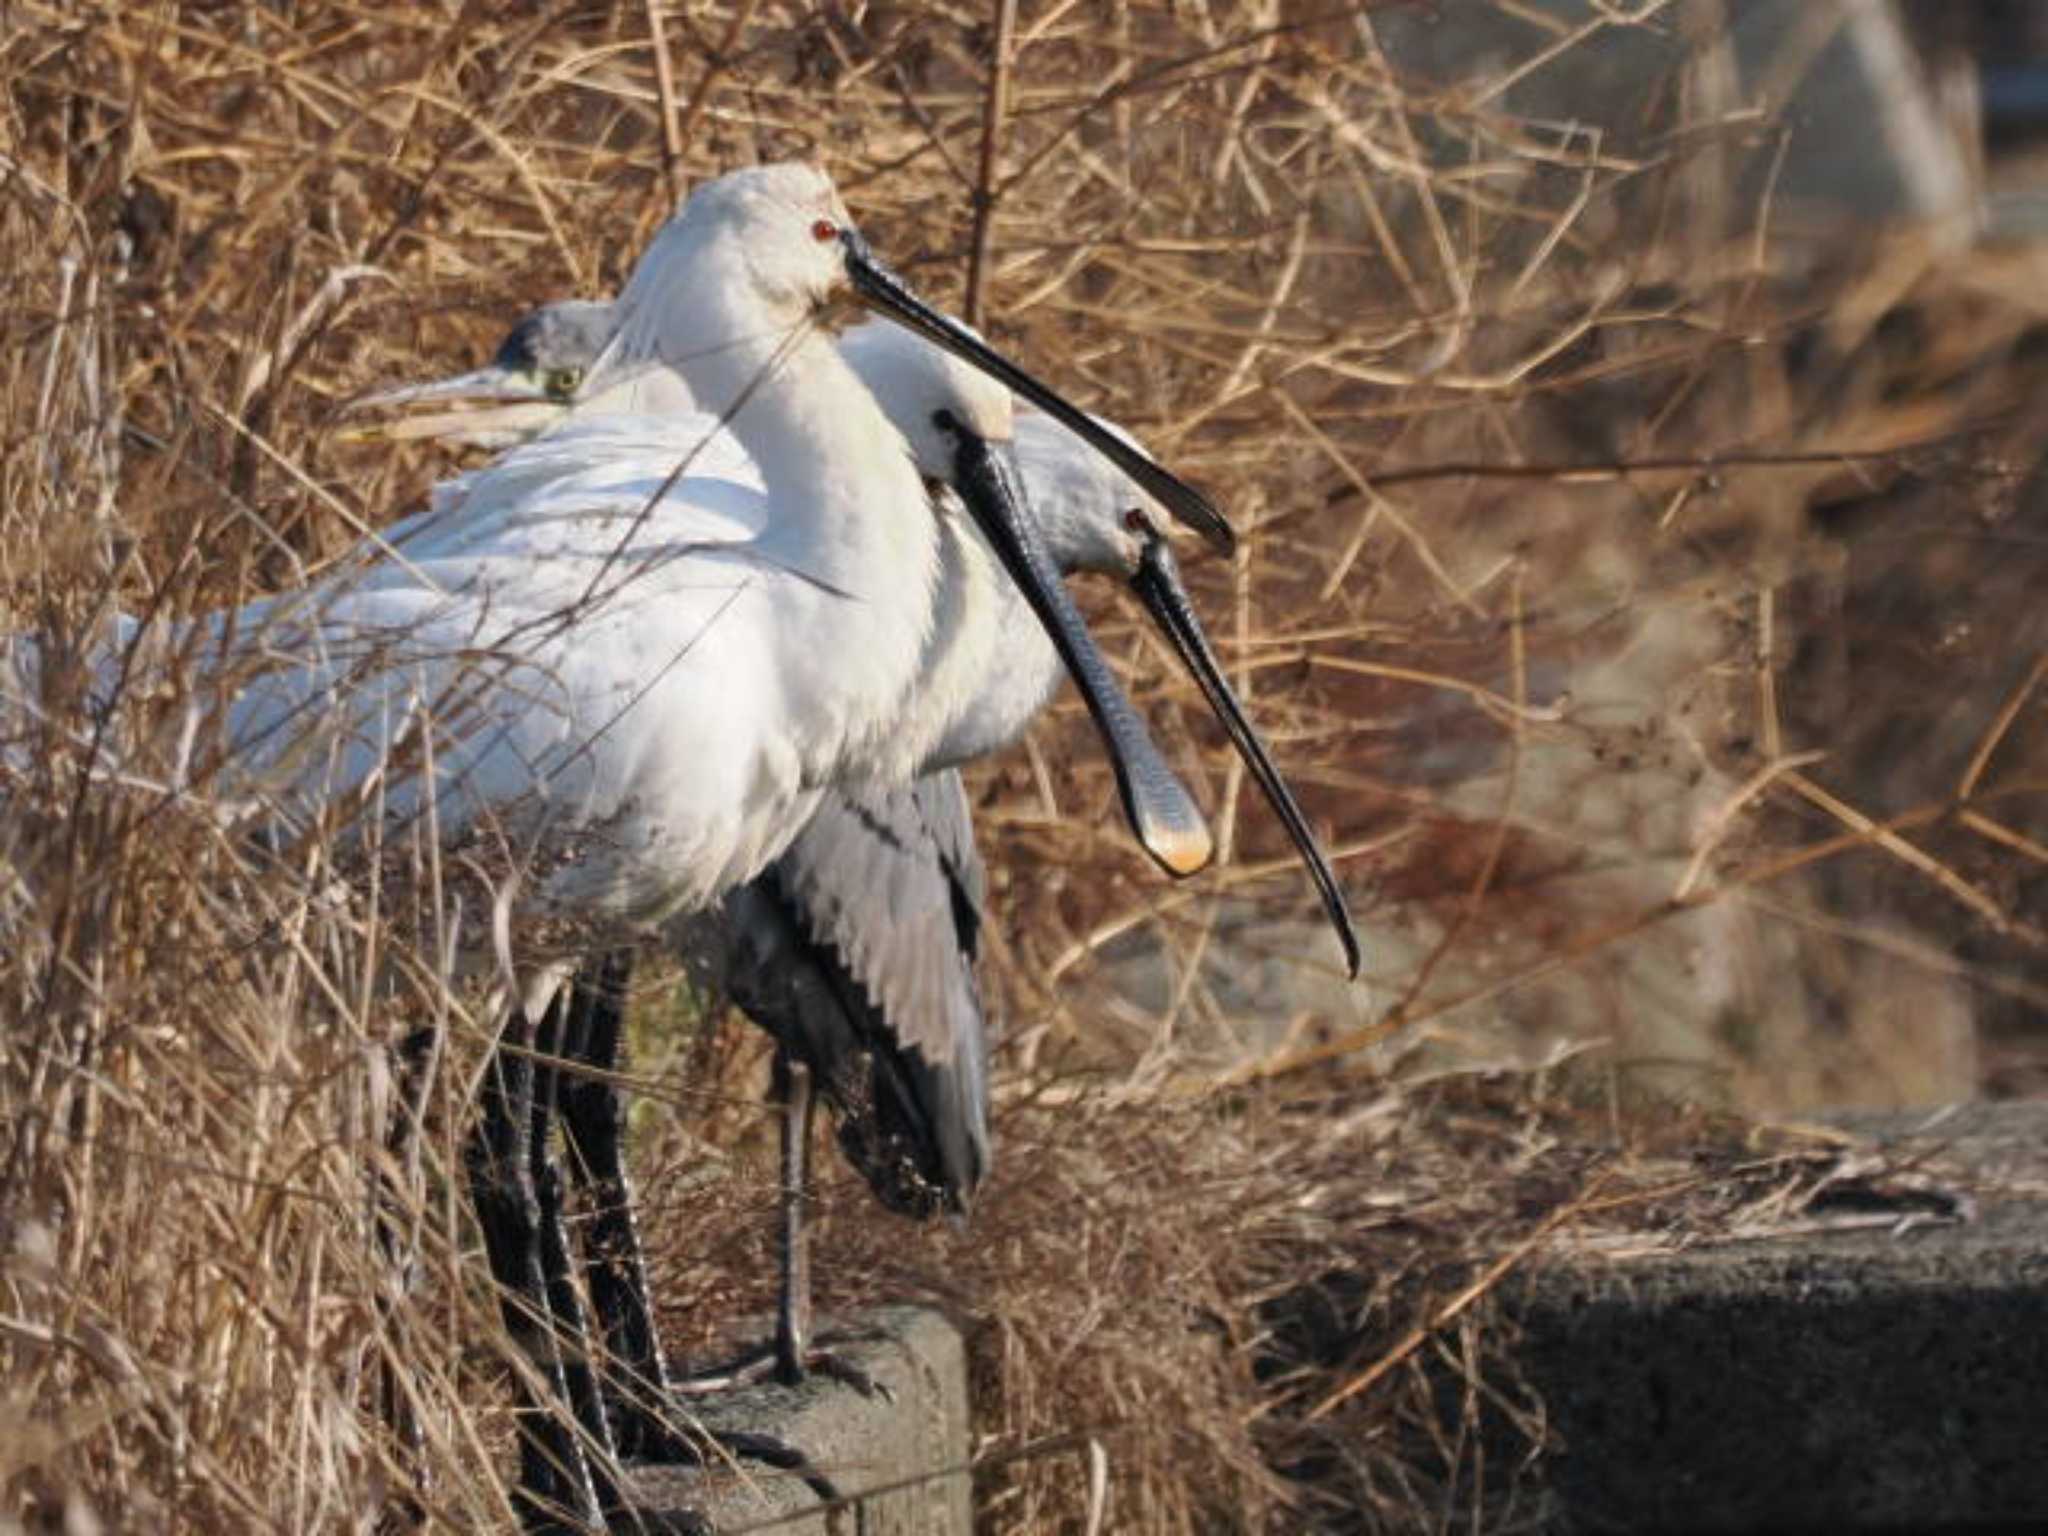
[(1184, 848), (1160, 811)]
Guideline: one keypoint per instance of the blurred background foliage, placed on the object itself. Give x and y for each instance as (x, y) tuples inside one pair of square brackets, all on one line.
[(1635, 414)]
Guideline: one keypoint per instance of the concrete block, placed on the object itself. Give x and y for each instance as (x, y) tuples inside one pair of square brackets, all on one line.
[(1882, 1380), (911, 1448)]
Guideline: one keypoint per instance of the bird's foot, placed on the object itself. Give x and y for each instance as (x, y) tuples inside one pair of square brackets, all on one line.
[(658, 1441), (772, 1362)]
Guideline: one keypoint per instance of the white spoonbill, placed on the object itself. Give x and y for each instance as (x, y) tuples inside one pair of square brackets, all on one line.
[(856, 948), (608, 727), (623, 713)]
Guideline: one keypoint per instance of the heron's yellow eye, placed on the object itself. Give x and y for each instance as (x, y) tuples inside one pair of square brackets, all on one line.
[(562, 383)]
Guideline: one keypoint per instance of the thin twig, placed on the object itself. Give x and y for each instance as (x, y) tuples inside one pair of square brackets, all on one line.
[(1487, 1279), (1619, 469), (1899, 848), (714, 68), (995, 106), (665, 90), (2007, 713)]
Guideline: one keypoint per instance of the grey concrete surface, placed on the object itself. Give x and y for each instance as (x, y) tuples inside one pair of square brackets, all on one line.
[(1888, 1379), (1883, 1380), (907, 1453)]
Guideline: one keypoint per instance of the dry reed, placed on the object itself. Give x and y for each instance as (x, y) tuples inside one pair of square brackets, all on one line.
[(1642, 590)]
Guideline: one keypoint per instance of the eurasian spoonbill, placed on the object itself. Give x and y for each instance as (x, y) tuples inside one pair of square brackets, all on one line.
[(588, 720), (855, 949)]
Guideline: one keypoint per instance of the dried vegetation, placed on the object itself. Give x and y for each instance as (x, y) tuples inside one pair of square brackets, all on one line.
[(1643, 589)]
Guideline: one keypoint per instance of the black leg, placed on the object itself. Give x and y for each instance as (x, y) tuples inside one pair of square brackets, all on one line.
[(793, 1356), (554, 1478), (615, 1265), (639, 1391), (573, 1339), (417, 1056), (798, 1099)]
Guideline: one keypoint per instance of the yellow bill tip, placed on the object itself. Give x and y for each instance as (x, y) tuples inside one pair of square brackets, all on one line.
[(1181, 848)]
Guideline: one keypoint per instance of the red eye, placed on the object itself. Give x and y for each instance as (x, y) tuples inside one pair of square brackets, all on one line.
[(1136, 522), (824, 230)]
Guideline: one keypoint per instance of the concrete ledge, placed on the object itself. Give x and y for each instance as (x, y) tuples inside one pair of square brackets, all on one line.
[(1888, 1379), (1830, 1381), (911, 1447)]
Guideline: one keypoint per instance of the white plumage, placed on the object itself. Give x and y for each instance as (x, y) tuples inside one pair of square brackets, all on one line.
[(620, 699)]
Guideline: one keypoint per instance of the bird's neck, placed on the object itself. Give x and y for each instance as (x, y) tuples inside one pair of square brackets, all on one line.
[(849, 511), (972, 622), (848, 499), (1020, 672)]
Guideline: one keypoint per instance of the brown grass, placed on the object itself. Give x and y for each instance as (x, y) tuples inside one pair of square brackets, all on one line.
[(1643, 592)]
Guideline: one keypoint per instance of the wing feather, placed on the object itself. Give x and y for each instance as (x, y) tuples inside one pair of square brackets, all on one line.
[(857, 950)]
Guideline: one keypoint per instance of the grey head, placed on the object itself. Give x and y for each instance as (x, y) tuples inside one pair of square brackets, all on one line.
[(530, 385), (551, 349)]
